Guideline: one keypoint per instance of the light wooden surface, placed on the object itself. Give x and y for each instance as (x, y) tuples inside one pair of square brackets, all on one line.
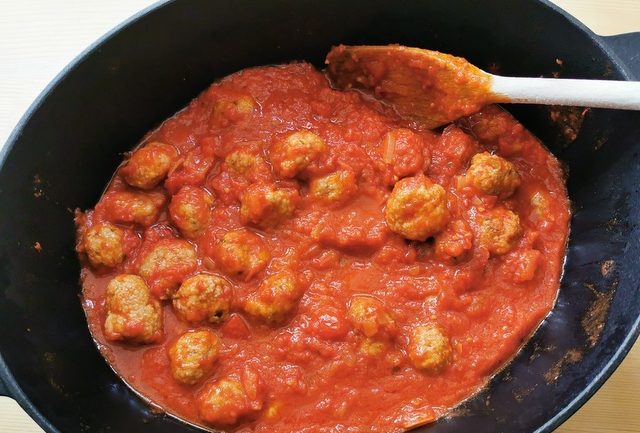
[(39, 37)]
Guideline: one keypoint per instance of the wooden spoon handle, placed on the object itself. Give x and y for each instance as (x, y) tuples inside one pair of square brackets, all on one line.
[(582, 93)]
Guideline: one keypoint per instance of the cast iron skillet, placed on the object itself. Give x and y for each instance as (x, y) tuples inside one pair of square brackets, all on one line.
[(68, 144)]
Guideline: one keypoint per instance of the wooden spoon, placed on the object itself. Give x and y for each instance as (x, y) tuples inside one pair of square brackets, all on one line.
[(434, 88)]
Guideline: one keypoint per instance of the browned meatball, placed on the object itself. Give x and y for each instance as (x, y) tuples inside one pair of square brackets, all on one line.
[(230, 109), (416, 208), (276, 297), (193, 355), (241, 253), (166, 264), (223, 402), (370, 317), (190, 209), (131, 207), (133, 315), (149, 165), (429, 348), (203, 298), (103, 245), (498, 230), (372, 348), (493, 175), (295, 152), (244, 162), (404, 150), (267, 205), (336, 187)]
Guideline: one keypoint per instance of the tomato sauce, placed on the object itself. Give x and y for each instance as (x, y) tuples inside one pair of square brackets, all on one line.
[(309, 366)]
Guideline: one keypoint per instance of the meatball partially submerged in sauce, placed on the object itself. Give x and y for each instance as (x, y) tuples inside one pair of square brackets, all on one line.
[(493, 175), (223, 402), (370, 317), (498, 230), (149, 165), (429, 348), (129, 207), (229, 109), (203, 298), (193, 355), (295, 152), (166, 264), (336, 187), (267, 205), (190, 210), (103, 245), (133, 315), (240, 253), (275, 298), (416, 208)]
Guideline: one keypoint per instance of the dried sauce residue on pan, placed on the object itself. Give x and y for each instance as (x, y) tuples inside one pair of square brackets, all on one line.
[(538, 350), (571, 357), (595, 318), (606, 267), (568, 121), (520, 394), (37, 186)]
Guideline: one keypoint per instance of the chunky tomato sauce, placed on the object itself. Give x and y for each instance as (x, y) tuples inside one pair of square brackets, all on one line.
[(286, 257)]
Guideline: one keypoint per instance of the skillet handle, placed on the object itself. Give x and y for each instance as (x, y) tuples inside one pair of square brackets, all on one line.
[(4, 391), (627, 47)]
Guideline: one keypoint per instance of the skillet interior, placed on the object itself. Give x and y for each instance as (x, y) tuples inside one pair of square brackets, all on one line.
[(62, 153)]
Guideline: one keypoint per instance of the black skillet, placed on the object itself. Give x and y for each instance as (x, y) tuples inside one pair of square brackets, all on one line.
[(65, 148)]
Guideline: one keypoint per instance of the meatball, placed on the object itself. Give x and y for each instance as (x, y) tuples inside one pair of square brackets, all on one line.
[(128, 207), (276, 297), (189, 210), (522, 265), (231, 109), (193, 355), (429, 348), (370, 317), (244, 162), (267, 205), (403, 149), (493, 175), (133, 315), (455, 240), (203, 298), (295, 152), (241, 253), (498, 230), (223, 402), (103, 245), (166, 264), (149, 165), (416, 208), (371, 348), (335, 187)]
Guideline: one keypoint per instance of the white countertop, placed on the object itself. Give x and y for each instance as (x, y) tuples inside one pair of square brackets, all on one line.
[(39, 37)]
